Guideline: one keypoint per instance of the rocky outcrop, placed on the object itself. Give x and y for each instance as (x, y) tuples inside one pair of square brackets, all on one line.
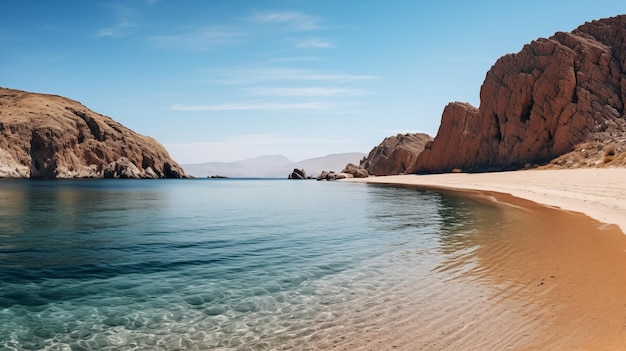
[(48, 136), (355, 171), (395, 154), (297, 174), (594, 154), (538, 104), (327, 175), (331, 175), (349, 172)]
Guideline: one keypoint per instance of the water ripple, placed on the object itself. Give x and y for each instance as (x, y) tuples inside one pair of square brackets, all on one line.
[(207, 265)]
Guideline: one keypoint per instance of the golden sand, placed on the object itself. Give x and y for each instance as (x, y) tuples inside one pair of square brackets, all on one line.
[(541, 279), (599, 193)]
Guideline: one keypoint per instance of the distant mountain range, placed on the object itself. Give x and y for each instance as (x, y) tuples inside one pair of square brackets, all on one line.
[(272, 166)]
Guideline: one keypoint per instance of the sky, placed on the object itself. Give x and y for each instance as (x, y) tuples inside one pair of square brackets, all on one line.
[(226, 80)]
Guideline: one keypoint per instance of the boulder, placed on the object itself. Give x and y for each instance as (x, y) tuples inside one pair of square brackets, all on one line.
[(49, 136), (395, 154), (334, 176), (538, 104), (327, 175), (122, 168), (355, 171), (323, 175), (297, 174), (343, 176)]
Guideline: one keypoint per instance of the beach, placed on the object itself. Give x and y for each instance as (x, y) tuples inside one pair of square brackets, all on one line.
[(554, 274), (208, 264), (598, 193)]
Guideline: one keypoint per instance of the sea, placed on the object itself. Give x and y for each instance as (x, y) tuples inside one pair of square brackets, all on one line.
[(226, 264)]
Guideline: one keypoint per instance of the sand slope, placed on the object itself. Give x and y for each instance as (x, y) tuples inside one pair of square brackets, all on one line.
[(599, 193), (552, 279)]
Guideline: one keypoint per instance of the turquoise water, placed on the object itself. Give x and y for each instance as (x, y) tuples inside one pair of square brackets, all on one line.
[(209, 264)]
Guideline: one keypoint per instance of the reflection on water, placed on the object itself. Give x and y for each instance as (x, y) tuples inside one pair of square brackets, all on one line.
[(462, 222), (464, 219), (71, 225), (515, 270), (259, 265), (201, 264)]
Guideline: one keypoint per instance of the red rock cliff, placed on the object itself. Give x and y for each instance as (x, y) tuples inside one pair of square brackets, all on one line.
[(538, 104), (395, 154), (48, 136)]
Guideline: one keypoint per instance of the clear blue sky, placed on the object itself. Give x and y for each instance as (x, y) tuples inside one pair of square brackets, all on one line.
[(224, 80)]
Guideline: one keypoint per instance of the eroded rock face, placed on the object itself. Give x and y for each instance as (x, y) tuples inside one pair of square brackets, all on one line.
[(538, 104), (355, 171), (395, 154), (48, 136)]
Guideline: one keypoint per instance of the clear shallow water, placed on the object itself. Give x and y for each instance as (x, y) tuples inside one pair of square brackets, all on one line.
[(211, 264)]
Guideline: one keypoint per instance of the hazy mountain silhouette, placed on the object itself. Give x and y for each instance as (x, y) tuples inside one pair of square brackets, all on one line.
[(272, 166)]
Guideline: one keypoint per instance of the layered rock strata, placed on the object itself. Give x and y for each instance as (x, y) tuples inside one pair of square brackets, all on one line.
[(538, 104), (49, 136)]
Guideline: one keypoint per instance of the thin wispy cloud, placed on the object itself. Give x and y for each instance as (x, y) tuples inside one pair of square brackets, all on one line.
[(123, 15), (312, 43), (306, 92), (202, 39), (269, 139), (117, 30), (258, 106), (297, 59), (292, 19), (273, 74)]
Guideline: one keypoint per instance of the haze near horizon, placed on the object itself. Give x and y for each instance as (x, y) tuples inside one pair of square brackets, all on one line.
[(226, 81)]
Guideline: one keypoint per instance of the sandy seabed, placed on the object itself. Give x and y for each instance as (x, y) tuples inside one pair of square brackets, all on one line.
[(551, 276), (597, 192)]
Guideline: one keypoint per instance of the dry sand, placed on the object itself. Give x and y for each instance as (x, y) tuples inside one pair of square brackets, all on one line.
[(599, 193), (541, 279)]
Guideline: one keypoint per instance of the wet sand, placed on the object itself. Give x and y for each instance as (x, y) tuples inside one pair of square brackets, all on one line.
[(541, 278), (599, 193)]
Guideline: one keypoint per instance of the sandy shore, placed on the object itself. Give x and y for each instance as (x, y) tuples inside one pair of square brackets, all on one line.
[(599, 193), (537, 278)]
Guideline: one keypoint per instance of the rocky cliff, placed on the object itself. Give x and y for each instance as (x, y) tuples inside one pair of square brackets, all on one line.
[(395, 154), (538, 104), (48, 136)]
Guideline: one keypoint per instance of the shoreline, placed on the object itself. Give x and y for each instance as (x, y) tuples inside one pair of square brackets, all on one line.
[(531, 280), (554, 274), (596, 192)]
